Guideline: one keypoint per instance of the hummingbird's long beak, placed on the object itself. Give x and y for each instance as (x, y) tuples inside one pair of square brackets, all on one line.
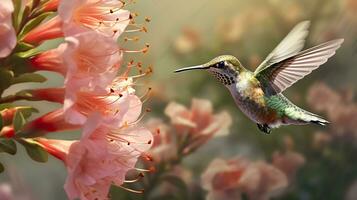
[(192, 68)]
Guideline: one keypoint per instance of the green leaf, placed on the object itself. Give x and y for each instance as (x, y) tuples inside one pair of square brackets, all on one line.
[(15, 14), (8, 146), (1, 122), (26, 111), (35, 151), (2, 168), (29, 53), (23, 46), (20, 65), (18, 121), (5, 78), (6, 105), (34, 22), (29, 77)]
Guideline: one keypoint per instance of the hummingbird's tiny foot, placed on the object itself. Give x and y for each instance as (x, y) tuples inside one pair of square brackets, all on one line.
[(264, 128)]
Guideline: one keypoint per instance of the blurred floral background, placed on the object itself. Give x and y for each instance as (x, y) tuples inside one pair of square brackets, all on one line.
[(204, 147)]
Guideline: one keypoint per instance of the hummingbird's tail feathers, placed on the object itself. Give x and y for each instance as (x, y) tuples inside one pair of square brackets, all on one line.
[(315, 119), (321, 122)]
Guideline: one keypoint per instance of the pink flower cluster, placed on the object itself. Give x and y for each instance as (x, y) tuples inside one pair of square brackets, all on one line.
[(94, 97), (258, 180), (189, 130), (340, 108), (7, 32)]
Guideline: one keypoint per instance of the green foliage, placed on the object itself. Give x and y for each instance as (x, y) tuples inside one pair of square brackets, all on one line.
[(8, 146), (34, 22), (5, 79), (1, 122), (19, 121), (22, 113), (29, 77), (23, 46), (28, 53), (35, 151), (17, 9), (26, 111)]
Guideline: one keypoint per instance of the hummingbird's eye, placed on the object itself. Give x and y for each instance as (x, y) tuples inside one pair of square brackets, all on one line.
[(220, 64)]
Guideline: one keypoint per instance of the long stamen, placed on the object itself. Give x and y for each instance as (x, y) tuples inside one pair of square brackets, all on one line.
[(132, 190), (144, 170), (146, 93), (143, 50), (140, 176)]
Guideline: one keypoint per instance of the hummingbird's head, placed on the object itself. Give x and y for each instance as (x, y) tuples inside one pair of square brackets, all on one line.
[(224, 68)]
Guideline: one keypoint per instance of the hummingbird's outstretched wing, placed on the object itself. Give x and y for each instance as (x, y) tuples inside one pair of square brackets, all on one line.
[(279, 76), (289, 46)]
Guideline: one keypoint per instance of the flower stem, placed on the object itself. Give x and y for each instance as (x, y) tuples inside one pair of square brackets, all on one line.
[(12, 98)]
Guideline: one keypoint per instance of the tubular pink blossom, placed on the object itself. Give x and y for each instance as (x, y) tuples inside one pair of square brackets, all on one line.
[(229, 179), (200, 119), (92, 60), (7, 32), (51, 60), (57, 148), (50, 122), (288, 162), (113, 108), (100, 158), (7, 115), (48, 94), (163, 148), (7, 131), (51, 5), (89, 59), (103, 16), (51, 29)]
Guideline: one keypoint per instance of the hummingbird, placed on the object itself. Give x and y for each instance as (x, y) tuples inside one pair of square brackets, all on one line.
[(258, 94)]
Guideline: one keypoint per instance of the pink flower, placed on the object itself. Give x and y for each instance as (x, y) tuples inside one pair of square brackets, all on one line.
[(91, 59), (102, 157), (230, 179), (86, 59), (7, 115), (341, 110), (6, 192), (114, 108), (51, 5), (323, 98), (163, 148), (199, 121), (104, 16), (50, 122), (160, 131), (57, 148), (7, 131), (7, 32), (288, 162), (47, 94), (50, 60), (51, 29)]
